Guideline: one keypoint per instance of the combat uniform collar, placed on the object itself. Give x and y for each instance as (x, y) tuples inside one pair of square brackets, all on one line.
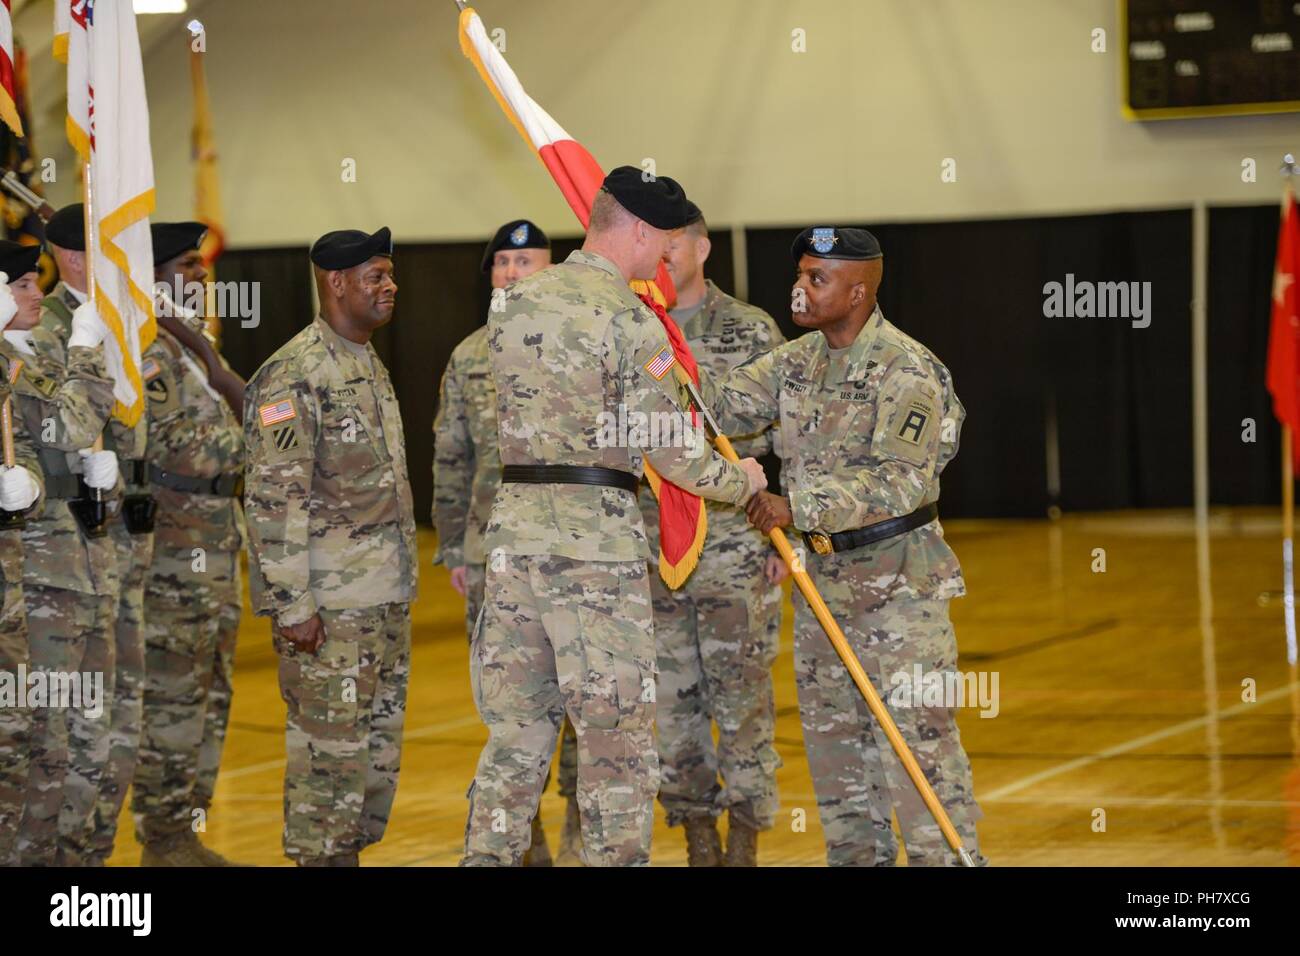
[(856, 363), (582, 258), (699, 323), (63, 292), (334, 342)]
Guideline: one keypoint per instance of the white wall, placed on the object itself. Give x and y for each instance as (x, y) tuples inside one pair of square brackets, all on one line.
[(853, 129)]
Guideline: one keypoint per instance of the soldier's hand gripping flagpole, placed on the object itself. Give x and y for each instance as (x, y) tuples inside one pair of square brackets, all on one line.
[(839, 642)]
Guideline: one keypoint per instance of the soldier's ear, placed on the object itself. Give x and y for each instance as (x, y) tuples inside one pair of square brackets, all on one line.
[(702, 249), (859, 294)]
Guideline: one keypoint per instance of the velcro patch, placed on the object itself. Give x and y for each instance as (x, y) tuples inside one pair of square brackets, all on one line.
[(272, 413), (662, 361), (149, 369), (917, 414), (285, 437), (156, 388)]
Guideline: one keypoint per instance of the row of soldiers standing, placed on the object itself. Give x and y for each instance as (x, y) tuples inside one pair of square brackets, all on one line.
[(120, 558)]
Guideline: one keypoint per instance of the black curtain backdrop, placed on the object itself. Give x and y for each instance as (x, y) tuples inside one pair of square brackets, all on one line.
[(1243, 246), (973, 292)]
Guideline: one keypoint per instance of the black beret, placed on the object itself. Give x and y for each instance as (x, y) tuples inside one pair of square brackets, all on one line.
[(17, 259), (345, 248), (67, 228), (693, 213), (660, 201), (172, 239), (516, 234), (835, 242)]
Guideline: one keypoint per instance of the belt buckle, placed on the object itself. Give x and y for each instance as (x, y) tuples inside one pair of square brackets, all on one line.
[(821, 542)]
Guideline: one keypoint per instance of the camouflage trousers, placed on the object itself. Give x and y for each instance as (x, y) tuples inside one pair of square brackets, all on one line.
[(192, 619), (15, 721), (559, 636), (96, 839), (343, 742), (475, 578), (68, 632), (716, 642), (858, 779)]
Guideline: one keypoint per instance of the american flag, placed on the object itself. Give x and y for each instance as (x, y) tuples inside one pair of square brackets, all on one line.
[(273, 412), (661, 363)]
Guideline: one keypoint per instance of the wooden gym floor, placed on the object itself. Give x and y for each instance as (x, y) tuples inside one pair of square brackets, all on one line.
[(1121, 704)]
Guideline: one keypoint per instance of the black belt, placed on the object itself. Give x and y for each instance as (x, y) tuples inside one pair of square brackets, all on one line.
[(63, 486), (824, 543), (223, 486), (135, 471), (569, 475)]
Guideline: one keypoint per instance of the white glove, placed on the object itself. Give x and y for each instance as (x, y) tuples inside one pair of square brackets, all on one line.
[(87, 328), (18, 488), (8, 306), (754, 472), (99, 468)]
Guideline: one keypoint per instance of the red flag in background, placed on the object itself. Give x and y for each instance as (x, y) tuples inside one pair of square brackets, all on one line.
[(1284, 332), (682, 519)]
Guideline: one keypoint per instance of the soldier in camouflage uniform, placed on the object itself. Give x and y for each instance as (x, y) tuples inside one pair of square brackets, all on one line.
[(868, 420), (467, 473), (90, 837), (566, 625), (192, 593), (20, 493), (717, 635), (332, 553), (70, 577)]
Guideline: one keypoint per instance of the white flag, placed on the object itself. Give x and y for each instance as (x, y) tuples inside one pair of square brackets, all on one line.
[(108, 123)]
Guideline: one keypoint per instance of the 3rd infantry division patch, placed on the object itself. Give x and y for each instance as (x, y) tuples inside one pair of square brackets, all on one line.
[(286, 438)]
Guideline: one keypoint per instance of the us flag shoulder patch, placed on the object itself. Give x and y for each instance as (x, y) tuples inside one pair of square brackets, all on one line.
[(663, 360), (274, 412), (149, 368)]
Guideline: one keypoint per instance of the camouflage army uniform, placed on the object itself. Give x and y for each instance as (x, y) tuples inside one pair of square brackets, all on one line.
[(865, 433), (331, 530), (192, 593), (466, 475), (717, 636), (566, 626), (15, 721), (92, 836), (70, 587)]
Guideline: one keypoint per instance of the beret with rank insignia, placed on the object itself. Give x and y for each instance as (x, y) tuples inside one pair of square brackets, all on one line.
[(516, 234), (835, 242)]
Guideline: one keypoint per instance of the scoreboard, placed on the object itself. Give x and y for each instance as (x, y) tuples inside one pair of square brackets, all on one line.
[(1210, 57)]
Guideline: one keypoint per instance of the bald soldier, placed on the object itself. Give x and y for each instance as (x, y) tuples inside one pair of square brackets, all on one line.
[(70, 573), (566, 626), (332, 555), (192, 599), (467, 473), (20, 492), (869, 420), (717, 635)]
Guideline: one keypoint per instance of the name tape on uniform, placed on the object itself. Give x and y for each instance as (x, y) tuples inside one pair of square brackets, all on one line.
[(663, 360)]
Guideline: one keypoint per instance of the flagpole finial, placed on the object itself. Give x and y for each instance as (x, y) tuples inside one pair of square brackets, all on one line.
[(1289, 166)]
